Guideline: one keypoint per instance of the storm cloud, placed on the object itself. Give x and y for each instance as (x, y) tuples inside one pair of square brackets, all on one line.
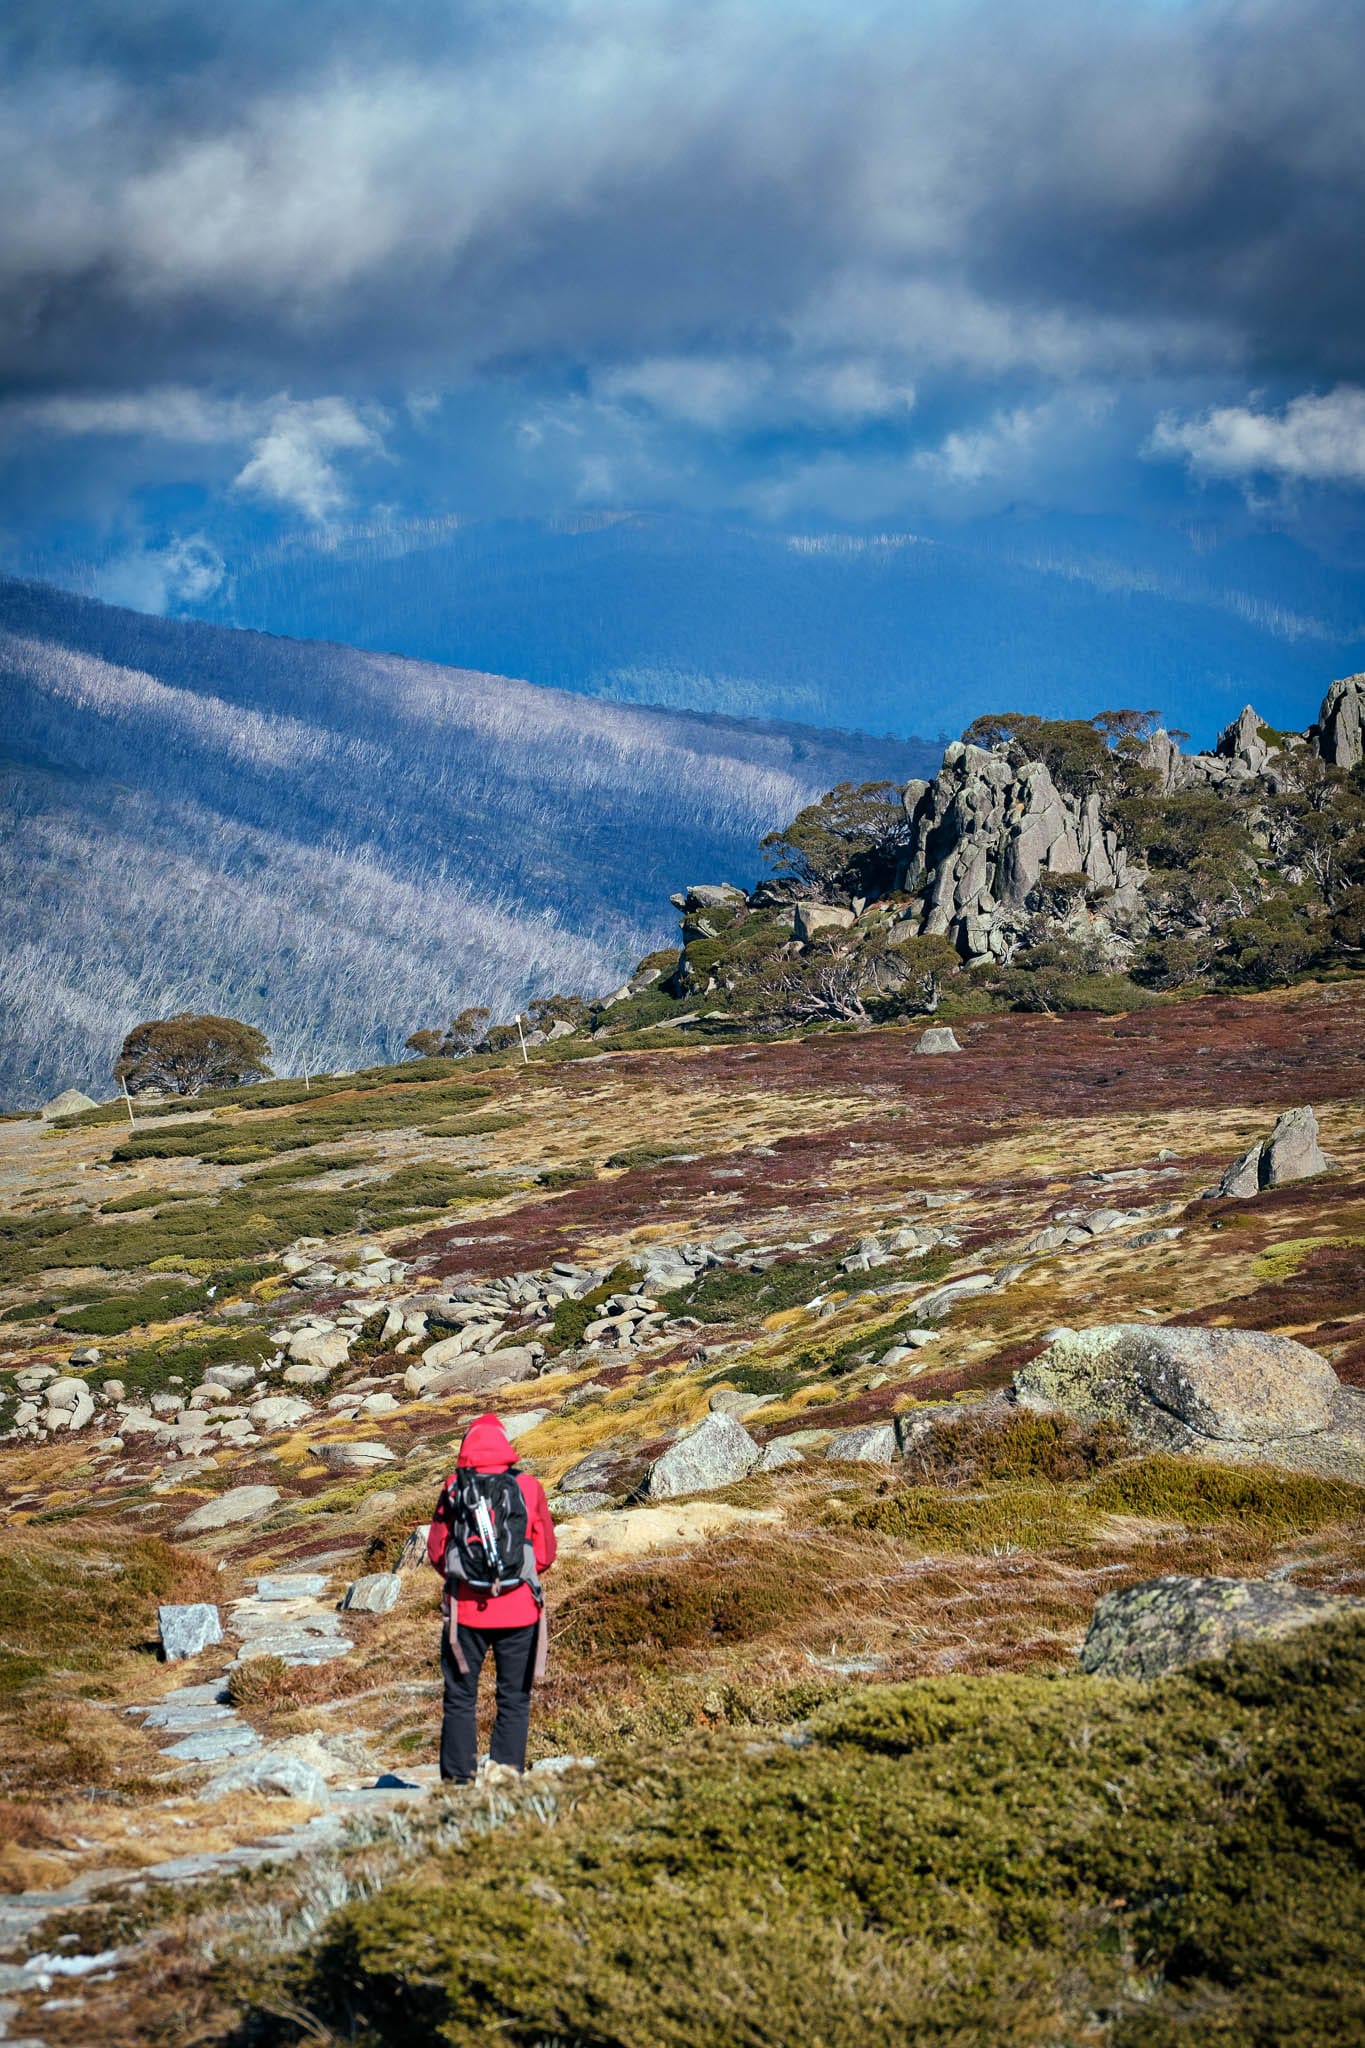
[(200, 193)]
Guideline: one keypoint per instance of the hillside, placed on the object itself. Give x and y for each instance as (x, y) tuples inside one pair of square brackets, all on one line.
[(958, 1453), (814, 1739), (334, 844)]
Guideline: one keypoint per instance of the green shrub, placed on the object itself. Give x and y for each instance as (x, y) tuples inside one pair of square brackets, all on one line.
[(1012, 1862)]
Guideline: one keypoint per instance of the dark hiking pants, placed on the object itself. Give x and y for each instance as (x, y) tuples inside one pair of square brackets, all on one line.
[(514, 1658)]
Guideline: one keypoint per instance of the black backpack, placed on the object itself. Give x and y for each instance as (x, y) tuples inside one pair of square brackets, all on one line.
[(488, 1550)]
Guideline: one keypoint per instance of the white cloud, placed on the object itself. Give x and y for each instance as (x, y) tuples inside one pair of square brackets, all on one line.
[(188, 572), (1316, 439), (166, 412), (292, 441), (291, 462)]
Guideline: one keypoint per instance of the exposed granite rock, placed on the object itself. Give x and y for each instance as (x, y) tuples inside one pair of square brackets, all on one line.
[(716, 1453), (375, 1593), (238, 1504), (1163, 1624), (938, 1038), (1170, 1386), (984, 830), (1290, 1153), (187, 1630), (872, 1443)]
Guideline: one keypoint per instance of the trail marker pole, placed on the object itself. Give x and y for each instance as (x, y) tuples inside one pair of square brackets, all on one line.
[(525, 1056), (127, 1098)]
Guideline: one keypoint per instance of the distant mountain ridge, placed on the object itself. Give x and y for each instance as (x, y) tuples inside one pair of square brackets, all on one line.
[(338, 845), (892, 632)]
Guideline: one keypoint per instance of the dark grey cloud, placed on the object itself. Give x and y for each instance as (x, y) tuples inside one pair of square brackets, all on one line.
[(349, 197)]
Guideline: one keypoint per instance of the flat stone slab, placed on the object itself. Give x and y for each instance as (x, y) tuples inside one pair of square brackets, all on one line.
[(303, 1586), (294, 1648), (238, 1504), (181, 1720), (211, 1745)]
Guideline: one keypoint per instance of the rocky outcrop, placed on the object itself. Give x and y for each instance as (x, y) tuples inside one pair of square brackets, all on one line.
[(1290, 1153), (1179, 1387), (984, 831), (990, 826), (1339, 734), (1144, 1631)]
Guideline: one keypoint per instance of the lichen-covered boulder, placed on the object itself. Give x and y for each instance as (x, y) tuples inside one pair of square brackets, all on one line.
[(716, 1453), (1172, 1385), (1143, 1631)]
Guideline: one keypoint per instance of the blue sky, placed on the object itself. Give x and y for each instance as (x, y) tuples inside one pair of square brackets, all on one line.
[(270, 272)]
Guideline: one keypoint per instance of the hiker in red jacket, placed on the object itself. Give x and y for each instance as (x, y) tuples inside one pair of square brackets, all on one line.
[(490, 1539)]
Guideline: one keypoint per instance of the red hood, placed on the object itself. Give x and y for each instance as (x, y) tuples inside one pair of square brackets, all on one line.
[(486, 1447)]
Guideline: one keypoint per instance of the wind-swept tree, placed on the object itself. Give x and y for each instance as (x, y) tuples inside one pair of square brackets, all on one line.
[(184, 1054)]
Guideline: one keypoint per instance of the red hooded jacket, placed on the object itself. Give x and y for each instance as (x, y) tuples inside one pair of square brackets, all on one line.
[(486, 1449)]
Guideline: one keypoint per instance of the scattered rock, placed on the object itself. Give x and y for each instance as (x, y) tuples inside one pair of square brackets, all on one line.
[(324, 1348), (70, 1404), (305, 1375), (279, 1411), (717, 1452), (354, 1457), (376, 1593), (238, 1504), (872, 1443), (1163, 1624), (69, 1103), (185, 1631), (939, 1038), (1172, 1385), (731, 1401), (778, 1453)]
